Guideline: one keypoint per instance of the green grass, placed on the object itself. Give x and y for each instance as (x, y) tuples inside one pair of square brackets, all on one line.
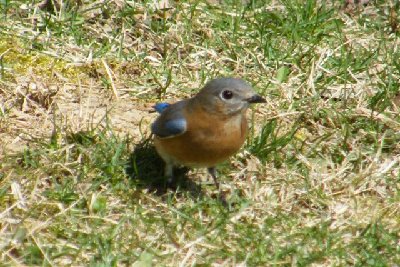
[(317, 182)]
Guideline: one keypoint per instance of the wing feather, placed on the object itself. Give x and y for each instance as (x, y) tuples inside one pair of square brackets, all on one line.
[(171, 121)]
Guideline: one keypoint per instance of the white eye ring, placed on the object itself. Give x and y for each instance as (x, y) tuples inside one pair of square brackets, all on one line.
[(226, 94)]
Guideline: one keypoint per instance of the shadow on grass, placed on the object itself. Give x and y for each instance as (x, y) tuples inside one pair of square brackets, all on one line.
[(146, 168)]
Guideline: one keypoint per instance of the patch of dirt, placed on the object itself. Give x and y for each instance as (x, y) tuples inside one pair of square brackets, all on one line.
[(32, 111)]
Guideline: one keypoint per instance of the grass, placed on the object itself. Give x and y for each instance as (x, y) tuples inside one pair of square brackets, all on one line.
[(317, 182)]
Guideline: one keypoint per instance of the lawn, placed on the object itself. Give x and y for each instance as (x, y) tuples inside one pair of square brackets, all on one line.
[(316, 183)]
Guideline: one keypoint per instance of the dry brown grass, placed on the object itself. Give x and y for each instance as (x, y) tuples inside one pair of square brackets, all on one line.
[(76, 89)]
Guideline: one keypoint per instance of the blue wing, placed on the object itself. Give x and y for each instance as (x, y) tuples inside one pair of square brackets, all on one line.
[(160, 107), (171, 121)]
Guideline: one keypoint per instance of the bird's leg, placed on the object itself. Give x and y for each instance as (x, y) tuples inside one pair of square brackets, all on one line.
[(213, 172), (169, 172)]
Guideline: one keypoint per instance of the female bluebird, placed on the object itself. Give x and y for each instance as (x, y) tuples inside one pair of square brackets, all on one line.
[(206, 129)]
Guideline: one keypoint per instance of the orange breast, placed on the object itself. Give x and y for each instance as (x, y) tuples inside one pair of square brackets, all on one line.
[(209, 139)]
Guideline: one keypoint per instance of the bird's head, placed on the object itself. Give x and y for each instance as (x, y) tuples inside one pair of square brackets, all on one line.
[(227, 96)]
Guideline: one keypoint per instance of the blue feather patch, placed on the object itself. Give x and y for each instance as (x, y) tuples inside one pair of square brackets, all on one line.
[(169, 128), (160, 107)]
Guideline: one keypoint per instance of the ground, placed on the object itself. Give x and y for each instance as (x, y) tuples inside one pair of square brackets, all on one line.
[(317, 182)]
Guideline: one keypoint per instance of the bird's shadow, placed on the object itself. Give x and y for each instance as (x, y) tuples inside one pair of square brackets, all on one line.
[(146, 169)]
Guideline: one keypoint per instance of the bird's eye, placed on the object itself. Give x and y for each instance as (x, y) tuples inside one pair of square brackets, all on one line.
[(227, 94)]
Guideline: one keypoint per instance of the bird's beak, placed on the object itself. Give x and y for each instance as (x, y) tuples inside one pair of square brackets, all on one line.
[(256, 99)]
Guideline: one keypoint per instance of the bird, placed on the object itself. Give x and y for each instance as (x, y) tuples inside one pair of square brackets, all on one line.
[(160, 107), (205, 130)]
